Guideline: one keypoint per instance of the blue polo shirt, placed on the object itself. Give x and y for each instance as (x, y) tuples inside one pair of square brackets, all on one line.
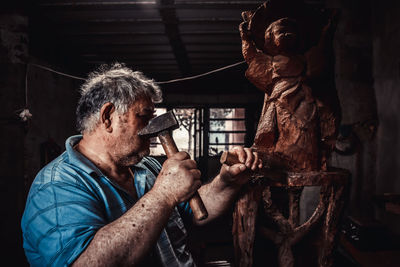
[(70, 200)]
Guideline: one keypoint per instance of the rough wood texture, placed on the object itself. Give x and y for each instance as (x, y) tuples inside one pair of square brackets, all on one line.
[(288, 49), (288, 232), (244, 218), (289, 56)]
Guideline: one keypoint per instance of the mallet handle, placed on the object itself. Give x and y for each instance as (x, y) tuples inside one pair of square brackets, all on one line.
[(170, 148), (168, 143)]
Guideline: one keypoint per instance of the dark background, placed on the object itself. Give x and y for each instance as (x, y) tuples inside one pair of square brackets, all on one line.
[(172, 39)]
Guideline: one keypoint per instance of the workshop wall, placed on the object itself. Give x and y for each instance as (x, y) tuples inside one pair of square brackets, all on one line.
[(13, 57), (52, 102), (367, 71), (386, 73), (28, 145), (367, 79), (354, 82)]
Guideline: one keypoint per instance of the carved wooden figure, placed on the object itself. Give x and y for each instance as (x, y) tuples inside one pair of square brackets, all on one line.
[(300, 117), (288, 49)]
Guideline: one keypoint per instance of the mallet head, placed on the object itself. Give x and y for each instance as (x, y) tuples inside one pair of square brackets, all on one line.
[(166, 121)]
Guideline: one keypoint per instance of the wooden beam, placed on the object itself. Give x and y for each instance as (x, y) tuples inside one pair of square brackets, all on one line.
[(117, 49), (71, 20), (209, 46), (242, 5), (168, 15), (153, 33)]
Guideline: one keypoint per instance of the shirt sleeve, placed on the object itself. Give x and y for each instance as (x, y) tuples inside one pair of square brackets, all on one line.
[(60, 220)]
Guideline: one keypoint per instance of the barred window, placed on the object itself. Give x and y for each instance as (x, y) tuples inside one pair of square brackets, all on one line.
[(222, 128), (227, 129)]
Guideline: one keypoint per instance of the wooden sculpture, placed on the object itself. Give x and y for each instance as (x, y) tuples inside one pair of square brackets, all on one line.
[(300, 117), (288, 49)]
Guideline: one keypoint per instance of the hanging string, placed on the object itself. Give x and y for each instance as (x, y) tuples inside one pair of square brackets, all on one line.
[(58, 72), (162, 82), (201, 75), (26, 115)]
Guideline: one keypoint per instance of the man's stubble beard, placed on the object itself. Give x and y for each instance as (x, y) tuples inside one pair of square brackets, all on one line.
[(135, 158)]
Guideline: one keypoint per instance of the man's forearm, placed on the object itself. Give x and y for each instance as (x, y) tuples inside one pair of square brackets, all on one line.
[(129, 238), (218, 197)]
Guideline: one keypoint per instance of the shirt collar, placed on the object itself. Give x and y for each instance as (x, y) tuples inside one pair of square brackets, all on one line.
[(84, 163), (78, 159)]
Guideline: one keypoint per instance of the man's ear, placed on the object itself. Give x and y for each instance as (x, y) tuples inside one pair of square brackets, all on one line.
[(105, 116)]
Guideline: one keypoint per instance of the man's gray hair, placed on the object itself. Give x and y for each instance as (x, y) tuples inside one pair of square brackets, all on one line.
[(116, 84)]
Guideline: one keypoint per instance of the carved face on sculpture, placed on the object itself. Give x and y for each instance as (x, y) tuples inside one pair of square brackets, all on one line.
[(281, 37)]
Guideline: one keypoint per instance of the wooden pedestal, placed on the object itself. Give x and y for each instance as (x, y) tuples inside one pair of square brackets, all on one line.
[(288, 231)]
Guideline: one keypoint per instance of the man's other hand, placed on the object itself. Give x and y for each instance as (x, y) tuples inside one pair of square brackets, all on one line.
[(235, 174), (179, 178)]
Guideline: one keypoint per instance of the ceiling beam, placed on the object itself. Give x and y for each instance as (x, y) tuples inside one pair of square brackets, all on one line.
[(118, 49), (160, 61), (160, 54), (222, 32), (123, 42), (168, 15), (130, 56), (155, 46), (150, 4), (71, 20), (155, 4), (126, 39)]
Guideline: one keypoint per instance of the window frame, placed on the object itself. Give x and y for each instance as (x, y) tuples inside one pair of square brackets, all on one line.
[(226, 131)]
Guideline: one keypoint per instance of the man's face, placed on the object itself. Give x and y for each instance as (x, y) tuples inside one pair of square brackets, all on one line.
[(129, 148)]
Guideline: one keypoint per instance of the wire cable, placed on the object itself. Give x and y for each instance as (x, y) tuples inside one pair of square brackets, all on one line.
[(25, 114), (58, 72), (201, 75), (163, 82)]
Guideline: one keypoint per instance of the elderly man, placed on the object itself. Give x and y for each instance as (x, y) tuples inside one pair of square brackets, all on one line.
[(103, 201)]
